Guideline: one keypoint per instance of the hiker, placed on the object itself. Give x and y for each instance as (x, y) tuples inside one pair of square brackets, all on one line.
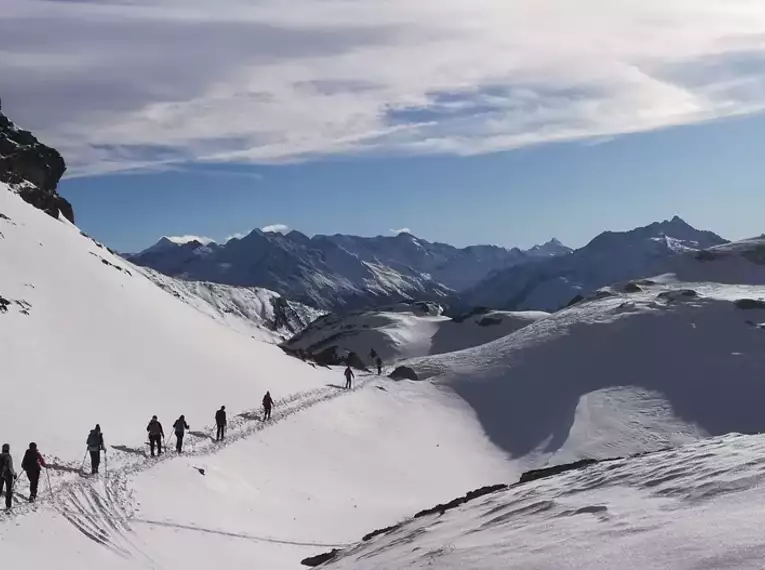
[(220, 421), (95, 443), (348, 378), (379, 365), (156, 435), (33, 463), (268, 402), (7, 475), (180, 426)]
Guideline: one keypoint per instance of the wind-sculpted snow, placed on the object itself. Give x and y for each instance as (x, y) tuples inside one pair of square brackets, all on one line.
[(697, 507), (618, 374)]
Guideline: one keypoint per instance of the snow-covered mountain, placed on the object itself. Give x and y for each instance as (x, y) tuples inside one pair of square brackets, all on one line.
[(263, 314), (338, 272), (402, 331), (610, 257), (87, 338), (639, 365)]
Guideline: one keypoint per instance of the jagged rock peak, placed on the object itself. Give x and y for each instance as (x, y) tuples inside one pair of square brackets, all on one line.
[(32, 169)]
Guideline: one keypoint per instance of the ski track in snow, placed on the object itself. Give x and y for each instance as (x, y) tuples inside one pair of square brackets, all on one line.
[(102, 507)]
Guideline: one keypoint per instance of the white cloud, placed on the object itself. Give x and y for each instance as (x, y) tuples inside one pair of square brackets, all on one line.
[(190, 238), (275, 228), (401, 231), (139, 84), (238, 235)]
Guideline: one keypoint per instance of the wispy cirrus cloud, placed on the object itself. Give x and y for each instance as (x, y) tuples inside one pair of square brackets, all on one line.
[(135, 84)]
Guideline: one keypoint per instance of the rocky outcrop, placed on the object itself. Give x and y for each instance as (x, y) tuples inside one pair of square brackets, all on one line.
[(32, 170), (749, 304), (403, 373)]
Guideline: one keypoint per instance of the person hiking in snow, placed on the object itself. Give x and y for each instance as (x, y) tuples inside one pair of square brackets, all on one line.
[(348, 378), (180, 426), (156, 435), (95, 443), (220, 421), (33, 463), (7, 475), (268, 403), (379, 365)]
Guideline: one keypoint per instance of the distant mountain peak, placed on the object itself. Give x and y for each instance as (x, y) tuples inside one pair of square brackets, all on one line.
[(551, 248)]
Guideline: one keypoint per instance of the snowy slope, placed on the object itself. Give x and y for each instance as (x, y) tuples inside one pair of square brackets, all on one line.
[(664, 364), (264, 314), (86, 338), (610, 257), (404, 331), (698, 507)]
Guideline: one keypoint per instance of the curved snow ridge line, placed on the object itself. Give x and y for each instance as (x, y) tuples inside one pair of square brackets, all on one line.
[(242, 535)]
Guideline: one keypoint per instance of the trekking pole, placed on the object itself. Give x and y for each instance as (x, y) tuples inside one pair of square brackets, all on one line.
[(50, 487), (84, 457)]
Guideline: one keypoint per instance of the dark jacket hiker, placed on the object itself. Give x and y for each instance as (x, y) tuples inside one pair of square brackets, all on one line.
[(33, 463), (180, 426), (268, 403), (156, 435), (220, 422), (95, 443), (348, 378), (7, 474)]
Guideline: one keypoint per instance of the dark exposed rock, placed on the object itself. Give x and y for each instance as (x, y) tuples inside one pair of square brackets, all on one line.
[(489, 321), (403, 373), (379, 531), (32, 170), (471, 496), (4, 304), (319, 559), (632, 288), (678, 294), (748, 304), (535, 474)]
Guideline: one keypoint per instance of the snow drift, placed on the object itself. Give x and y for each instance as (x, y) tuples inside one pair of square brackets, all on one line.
[(666, 363)]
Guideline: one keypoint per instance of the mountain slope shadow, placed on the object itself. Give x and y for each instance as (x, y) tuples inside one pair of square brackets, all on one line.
[(701, 356)]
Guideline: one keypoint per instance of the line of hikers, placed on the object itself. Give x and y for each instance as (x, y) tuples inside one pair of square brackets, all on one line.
[(33, 461), (32, 465)]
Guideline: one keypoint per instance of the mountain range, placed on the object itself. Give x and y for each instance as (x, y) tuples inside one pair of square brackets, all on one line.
[(339, 272), (610, 257), (344, 273)]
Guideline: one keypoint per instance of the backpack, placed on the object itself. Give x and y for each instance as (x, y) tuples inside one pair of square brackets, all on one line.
[(5, 464), (94, 439)]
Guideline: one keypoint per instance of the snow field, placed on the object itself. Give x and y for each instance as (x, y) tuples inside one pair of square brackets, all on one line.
[(698, 507)]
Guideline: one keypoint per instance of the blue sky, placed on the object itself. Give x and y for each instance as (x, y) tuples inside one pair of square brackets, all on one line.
[(464, 120), (712, 175)]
